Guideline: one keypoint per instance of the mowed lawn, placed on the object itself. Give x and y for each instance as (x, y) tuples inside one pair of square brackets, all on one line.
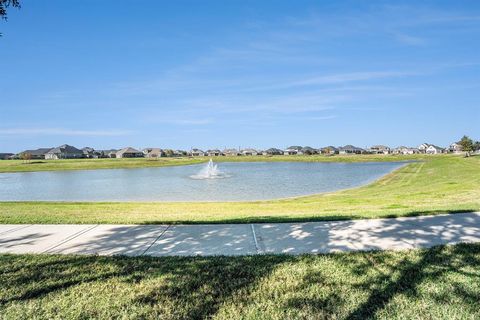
[(438, 283), (92, 164), (435, 184)]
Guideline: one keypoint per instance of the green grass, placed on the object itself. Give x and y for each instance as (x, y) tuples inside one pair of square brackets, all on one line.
[(91, 164), (438, 283), (437, 184)]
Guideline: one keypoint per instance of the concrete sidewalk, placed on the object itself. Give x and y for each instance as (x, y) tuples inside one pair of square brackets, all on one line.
[(242, 239)]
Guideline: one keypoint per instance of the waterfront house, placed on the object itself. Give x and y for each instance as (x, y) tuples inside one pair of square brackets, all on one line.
[(214, 153), (379, 149), (231, 152), (153, 153), (329, 150), (110, 153), (64, 152), (249, 152), (309, 150), (349, 149), (34, 154), (6, 156), (423, 147), (405, 150), (455, 148), (272, 152), (293, 150), (197, 153), (90, 153), (180, 153), (432, 149), (129, 152)]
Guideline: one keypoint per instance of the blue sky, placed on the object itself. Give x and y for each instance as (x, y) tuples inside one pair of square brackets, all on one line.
[(207, 74)]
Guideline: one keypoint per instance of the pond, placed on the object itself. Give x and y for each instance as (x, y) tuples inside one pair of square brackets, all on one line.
[(232, 181)]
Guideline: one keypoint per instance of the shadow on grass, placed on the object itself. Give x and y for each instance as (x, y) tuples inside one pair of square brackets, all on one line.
[(193, 287), (196, 288), (293, 219), (430, 266)]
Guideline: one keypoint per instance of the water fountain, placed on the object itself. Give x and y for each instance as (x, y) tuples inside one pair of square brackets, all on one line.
[(210, 171)]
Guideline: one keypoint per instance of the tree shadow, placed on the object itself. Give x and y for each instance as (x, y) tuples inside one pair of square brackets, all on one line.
[(327, 217), (197, 286)]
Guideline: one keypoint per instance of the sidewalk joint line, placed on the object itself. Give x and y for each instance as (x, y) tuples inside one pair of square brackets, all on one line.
[(69, 238), (15, 229), (257, 248), (156, 239)]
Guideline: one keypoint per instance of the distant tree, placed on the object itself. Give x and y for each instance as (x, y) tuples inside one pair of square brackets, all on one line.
[(169, 153), (467, 145), (26, 157)]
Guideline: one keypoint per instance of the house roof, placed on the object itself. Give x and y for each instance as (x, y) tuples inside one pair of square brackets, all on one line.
[(197, 150), (298, 148), (108, 151), (65, 148), (153, 151), (4, 155), (249, 150), (230, 151), (271, 150), (128, 150), (350, 147), (330, 147), (379, 146), (436, 147), (37, 152)]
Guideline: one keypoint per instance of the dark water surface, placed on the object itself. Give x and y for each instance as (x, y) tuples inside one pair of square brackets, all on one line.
[(245, 181)]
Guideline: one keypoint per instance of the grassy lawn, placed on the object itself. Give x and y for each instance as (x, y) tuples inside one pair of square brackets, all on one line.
[(437, 184), (92, 164), (438, 283)]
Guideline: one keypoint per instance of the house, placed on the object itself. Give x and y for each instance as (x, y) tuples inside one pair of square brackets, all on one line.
[(180, 153), (197, 153), (329, 150), (110, 153), (64, 151), (455, 148), (129, 152), (432, 149), (34, 154), (293, 150), (231, 152), (89, 153), (249, 152), (272, 152), (379, 149), (309, 150), (214, 153), (153, 153), (349, 149), (423, 147), (6, 156), (405, 150)]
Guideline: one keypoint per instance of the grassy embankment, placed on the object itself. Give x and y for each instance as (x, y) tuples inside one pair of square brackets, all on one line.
[(437, 184), (92, 164), (438, 283)]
